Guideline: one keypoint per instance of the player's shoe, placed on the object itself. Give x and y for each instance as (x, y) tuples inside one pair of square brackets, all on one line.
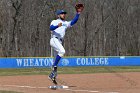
[(53, 75), (53, 79)]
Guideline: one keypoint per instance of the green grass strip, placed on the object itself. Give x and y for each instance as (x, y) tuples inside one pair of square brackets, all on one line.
[(68, 70)]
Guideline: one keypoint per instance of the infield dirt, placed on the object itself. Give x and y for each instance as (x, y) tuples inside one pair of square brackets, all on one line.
[(78, 83)]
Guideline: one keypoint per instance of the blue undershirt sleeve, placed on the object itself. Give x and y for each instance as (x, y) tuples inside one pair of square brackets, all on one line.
[(75, 19), (52, 27)]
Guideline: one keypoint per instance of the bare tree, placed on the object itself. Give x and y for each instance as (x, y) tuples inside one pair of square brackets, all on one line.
[(105, 28)]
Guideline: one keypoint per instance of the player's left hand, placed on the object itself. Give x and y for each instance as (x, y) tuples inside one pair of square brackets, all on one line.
[(79, 7), (60, 24)]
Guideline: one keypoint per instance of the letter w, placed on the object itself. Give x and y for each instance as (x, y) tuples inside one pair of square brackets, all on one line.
[(19, 62)]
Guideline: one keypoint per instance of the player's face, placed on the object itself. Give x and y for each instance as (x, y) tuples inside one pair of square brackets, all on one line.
[(62, 16)]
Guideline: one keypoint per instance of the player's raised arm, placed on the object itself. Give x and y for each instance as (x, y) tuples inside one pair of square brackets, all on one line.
[(79, 8), (75, 19)]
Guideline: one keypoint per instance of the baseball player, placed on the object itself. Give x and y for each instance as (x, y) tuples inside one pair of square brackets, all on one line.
[(58, 28)]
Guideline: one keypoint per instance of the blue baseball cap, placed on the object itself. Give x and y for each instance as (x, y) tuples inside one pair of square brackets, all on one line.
[(58, 12)]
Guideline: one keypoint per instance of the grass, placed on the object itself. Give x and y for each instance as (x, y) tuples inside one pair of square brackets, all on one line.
[(68, 70)]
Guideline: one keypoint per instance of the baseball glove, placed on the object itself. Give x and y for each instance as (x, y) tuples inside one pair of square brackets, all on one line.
[(79, 7)]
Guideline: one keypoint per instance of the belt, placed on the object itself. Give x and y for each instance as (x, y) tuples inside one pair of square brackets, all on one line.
[(59, 39)]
